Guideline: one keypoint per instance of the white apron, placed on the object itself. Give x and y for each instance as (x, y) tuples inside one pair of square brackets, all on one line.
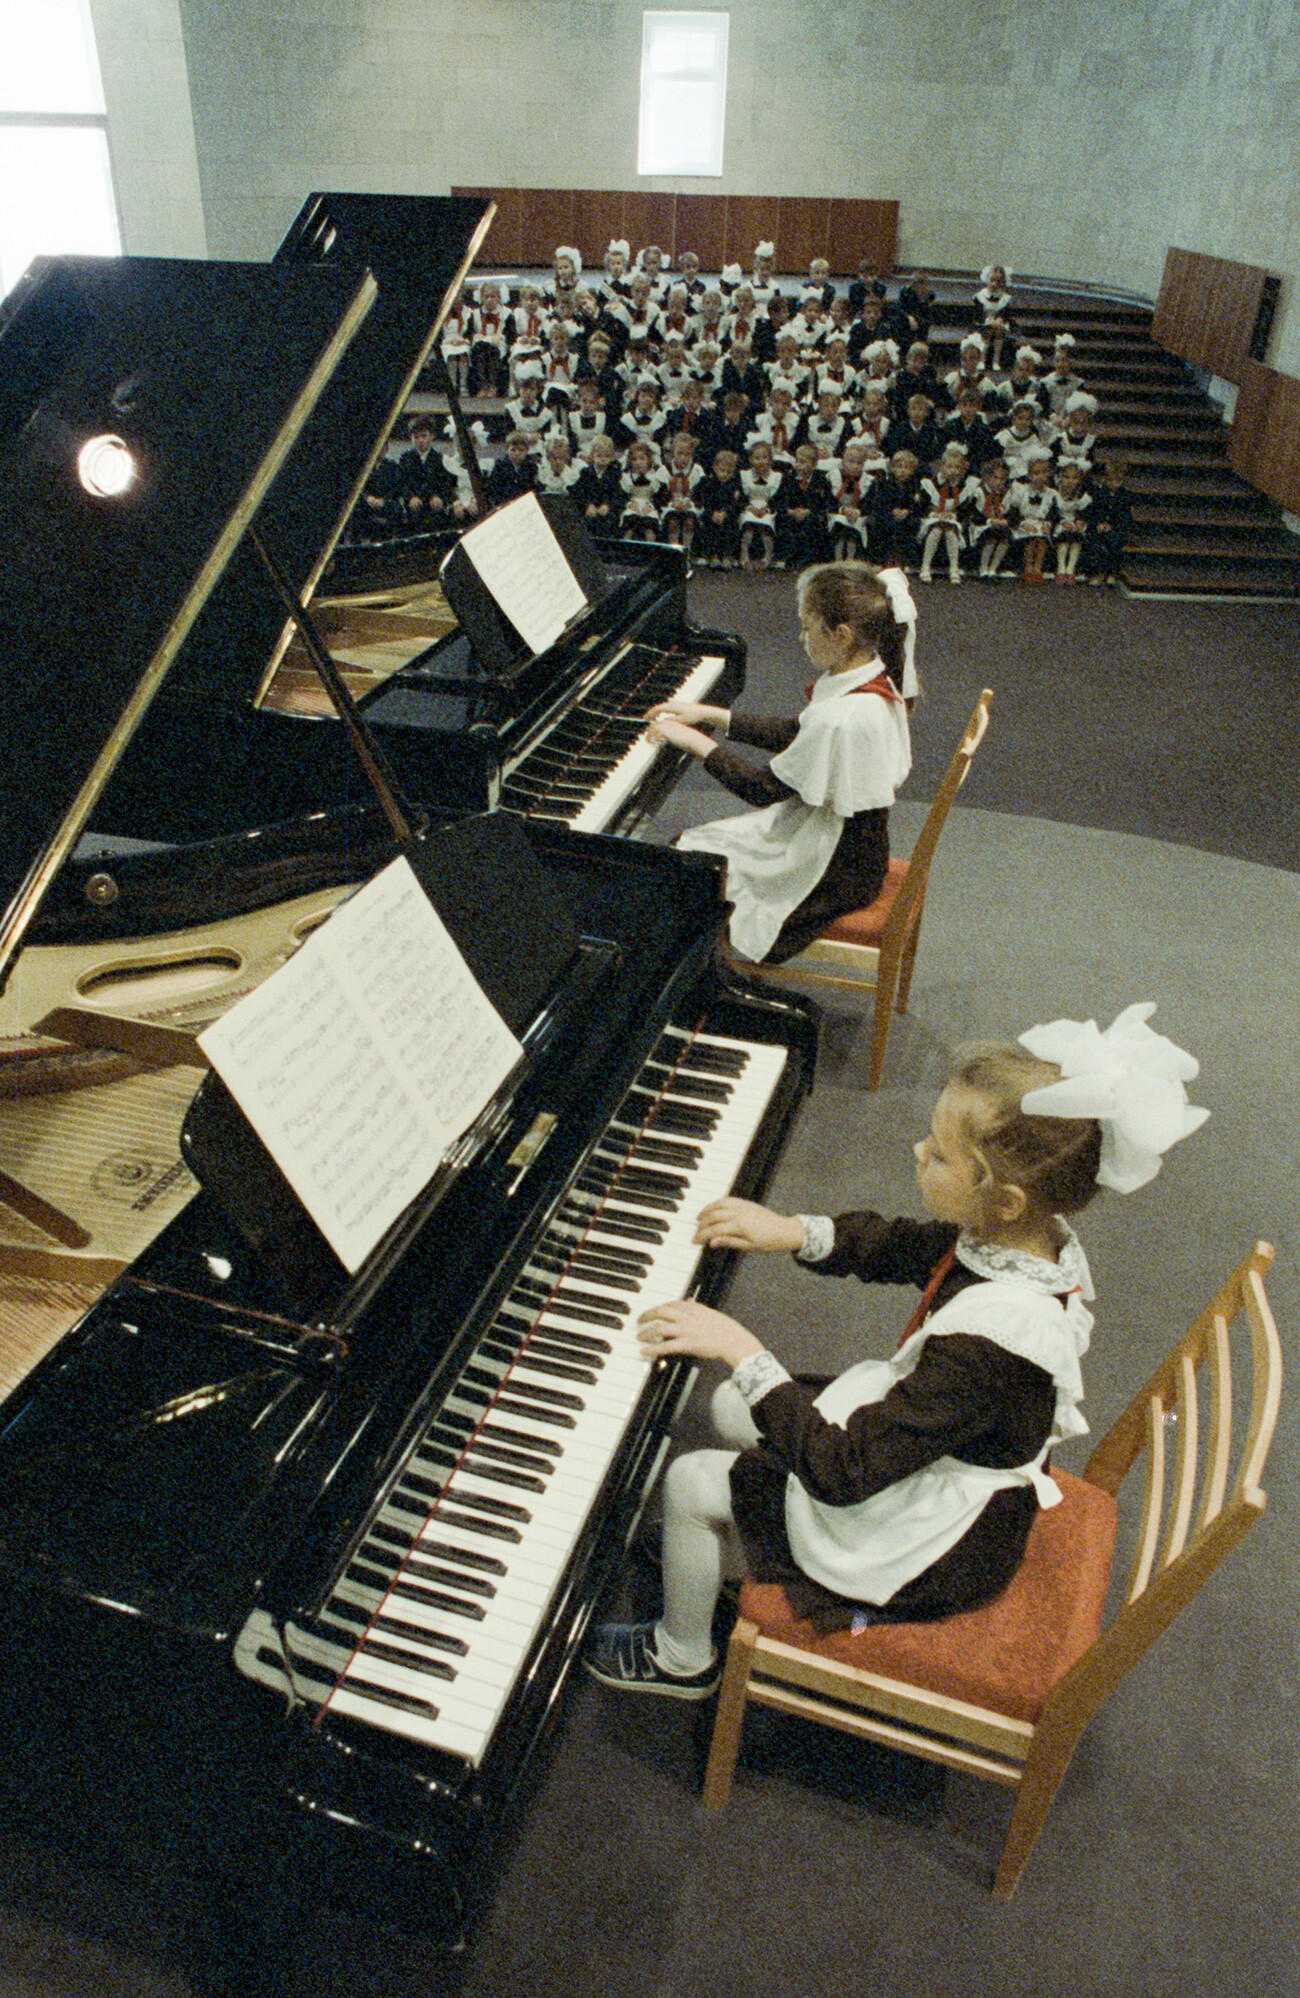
[(868, 1551), (850, 755)]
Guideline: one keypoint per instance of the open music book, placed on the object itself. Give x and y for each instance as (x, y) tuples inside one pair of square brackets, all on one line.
[(362, 1060), (526, 571)]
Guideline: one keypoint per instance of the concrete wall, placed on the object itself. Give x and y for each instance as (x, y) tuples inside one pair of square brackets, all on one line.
[(1076, 137), (150, 127)]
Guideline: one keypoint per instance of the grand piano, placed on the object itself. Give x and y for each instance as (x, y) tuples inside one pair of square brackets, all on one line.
[(557, 735), (298, 1560)]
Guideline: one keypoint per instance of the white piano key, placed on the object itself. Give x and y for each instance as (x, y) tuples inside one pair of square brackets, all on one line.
[(498, 1635)]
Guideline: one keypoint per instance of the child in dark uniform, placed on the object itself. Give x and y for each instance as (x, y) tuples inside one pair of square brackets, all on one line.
[(906, 1489)]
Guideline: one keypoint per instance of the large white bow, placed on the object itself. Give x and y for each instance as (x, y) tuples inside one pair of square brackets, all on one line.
[(1129, 1078), (903, 604)]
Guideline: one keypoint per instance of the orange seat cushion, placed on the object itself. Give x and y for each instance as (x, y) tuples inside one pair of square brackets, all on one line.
[(1006, 1656), (865, 926)]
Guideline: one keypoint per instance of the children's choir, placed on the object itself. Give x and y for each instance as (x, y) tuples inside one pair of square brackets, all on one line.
[(757, 427)]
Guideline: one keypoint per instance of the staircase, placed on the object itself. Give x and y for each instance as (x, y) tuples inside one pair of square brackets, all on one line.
[(1198, 530)]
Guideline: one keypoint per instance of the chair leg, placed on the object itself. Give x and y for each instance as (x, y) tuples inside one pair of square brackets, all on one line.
[(886, 991), (732, 1698), (1038, 1786), (906, 962)]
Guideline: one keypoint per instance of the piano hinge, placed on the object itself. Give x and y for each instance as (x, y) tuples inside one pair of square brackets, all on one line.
[(525, 1152)]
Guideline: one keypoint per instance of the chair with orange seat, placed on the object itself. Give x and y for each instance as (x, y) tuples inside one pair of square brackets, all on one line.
[(877, 945), (1005, 1692)]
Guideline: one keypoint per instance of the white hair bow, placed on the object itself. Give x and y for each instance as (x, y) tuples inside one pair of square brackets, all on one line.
[(903, 605), (1129, 1078), (765, 249)]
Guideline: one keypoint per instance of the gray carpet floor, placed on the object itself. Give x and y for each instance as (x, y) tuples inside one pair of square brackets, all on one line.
[(1129, 832)]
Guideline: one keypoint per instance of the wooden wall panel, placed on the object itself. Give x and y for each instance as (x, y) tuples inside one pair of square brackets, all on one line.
[(862, 229), (702, 226), (802, 231), (649, 218), (501, 245), (547, 220), (720, 228), (1265, 440), (1207, 309), (751, 219), (597, 222)]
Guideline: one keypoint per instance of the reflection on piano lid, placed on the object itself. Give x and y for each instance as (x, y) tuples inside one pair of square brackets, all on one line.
[(243, 707), (207, 373)]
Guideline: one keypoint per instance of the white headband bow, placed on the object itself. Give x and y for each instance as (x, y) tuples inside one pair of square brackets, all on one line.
[(765, 249), (567, 250), (622, 246), (1129, 1078), (903, 604)]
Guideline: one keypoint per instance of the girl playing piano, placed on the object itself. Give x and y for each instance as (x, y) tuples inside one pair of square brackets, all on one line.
[(906, 1489), (818, 842)]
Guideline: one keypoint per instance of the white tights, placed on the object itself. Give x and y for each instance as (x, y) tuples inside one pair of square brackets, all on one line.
[(701, 1544)]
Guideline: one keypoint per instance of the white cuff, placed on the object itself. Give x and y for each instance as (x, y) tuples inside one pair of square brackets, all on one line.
[(818, 1237), (756, 1375)]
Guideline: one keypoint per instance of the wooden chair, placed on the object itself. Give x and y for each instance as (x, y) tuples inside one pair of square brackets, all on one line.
[(877, 945), (1006, 1691)]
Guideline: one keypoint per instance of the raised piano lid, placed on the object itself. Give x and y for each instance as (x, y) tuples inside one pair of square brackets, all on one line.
[(205, 374)]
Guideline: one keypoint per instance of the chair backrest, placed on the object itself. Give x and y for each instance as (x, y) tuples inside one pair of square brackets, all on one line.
[(907, 902), (1195, 1509)]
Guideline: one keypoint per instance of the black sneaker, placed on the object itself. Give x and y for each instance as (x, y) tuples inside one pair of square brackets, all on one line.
[(622, 1655)]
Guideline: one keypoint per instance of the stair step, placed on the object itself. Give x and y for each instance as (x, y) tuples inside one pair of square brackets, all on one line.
[(1209, 517), (1155, 575), (1197, 488), (1239, 548)]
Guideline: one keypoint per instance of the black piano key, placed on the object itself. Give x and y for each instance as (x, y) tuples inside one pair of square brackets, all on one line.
[(414, 1661), (583, 1304), (591, 1217), (554, 1418), (450, 1573), (655, 1178), (472, 1521), (681, 1119), (705, 1088), (614, 1180), (348, 1617), (599, 1255), (384, 1696), (539, 1362), (502, 1509), (522, 1440), (411, 1591), (668, 1150)]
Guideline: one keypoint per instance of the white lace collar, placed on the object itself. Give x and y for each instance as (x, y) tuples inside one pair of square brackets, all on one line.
[(1068, 1273), (829, 686)]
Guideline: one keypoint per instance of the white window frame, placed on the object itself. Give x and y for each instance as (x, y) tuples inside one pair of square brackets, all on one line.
[(700, 80), (91, 218)]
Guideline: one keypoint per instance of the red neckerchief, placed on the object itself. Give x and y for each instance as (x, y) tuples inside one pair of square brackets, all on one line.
[(534, 321), (922, 1312), (881, 685)]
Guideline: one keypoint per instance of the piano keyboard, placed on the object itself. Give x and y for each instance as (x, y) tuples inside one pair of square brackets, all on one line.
[(426, 1631), (585, 769)]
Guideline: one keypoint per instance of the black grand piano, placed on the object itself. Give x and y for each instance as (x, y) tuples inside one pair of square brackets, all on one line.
[(297, 1561), (556, 735)]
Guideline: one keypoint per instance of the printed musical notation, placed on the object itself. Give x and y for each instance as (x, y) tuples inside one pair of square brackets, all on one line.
[(526, 571), (364, 1058)]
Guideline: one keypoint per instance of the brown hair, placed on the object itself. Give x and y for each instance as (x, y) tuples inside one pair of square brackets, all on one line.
[(852, 593), (1052, 1160)]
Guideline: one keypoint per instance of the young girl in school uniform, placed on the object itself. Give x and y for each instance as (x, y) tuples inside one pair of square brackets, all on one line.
[(906, 1489), (642, 484), (681, 477), (942, 524), (993, 303), (818, 842), (760, 481), (1034, 502), (1073, 505)]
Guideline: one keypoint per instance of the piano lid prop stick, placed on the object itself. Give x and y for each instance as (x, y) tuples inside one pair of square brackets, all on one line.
[(399, 814), (468, 455)]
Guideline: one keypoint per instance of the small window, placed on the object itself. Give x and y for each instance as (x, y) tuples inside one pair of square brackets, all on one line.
[(56, 181), (683, 93)]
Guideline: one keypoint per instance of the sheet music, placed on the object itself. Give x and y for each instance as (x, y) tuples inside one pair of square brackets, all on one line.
[(521, 562), (364, 1058)]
